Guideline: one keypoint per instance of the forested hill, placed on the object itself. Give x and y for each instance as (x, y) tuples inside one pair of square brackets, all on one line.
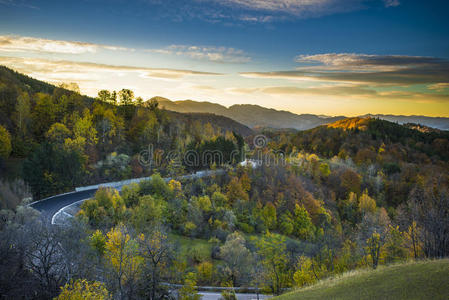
[(362, 138), (55, 138)]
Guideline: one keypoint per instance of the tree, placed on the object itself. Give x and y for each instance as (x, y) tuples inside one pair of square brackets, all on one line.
[(106, 96), (22, 116), (5, 143), (148, 213), (373, 246), (106, 207), (43, 257), (83, 289), (50, 169), (84, 129), (366, 203), (235, 191), (44, 115), (430, 210), (126, 96), (304, 274), (157, 253), (237, 258), (303, 226), (271, 248), (58, 133), (188, 290), (123, 260), (269, 215), (394, 245)]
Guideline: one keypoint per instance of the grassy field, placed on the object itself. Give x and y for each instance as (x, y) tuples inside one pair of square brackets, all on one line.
[(415, 280)]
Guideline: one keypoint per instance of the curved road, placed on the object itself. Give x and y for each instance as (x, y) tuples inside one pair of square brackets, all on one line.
[(50, 206)]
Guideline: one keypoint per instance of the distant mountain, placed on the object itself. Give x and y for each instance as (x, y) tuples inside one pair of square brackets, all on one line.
[(256, 116)]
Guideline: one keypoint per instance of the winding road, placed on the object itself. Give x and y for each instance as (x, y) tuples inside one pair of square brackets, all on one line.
[(50, 206)]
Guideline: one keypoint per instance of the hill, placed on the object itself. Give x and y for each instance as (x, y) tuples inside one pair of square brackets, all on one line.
[(421, 280), (258, 116), (354, 136), (44, 128)]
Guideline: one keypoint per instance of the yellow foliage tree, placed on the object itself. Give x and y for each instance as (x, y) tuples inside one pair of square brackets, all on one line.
[(304, 275), (82, 289), (367, 204), (123, 258)]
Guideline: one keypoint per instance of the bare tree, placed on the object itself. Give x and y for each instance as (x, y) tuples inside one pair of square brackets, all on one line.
[(158, 254), (430, 210)]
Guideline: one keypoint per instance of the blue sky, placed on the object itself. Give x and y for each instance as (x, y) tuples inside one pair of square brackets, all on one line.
[(308, 56)]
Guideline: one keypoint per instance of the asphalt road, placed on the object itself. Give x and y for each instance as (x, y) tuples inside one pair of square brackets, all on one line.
[(49, 206)]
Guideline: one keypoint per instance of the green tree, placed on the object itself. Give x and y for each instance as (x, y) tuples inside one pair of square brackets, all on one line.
[(51, 169), (5, 143), (148, 213), (237, 258), (269, 215), (58, 133), (23, 114), (303, 226), (271, 248), (44, 115)]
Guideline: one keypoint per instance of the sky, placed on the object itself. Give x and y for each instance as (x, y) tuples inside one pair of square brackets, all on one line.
[(327, 57)]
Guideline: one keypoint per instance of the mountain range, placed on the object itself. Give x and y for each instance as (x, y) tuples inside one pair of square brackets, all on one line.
[(256, 116)]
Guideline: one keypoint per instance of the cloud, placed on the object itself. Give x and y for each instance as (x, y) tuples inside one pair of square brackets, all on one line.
[(293, 7), (210, 53), (18, 3), (57, 71), (439, 87), (391, 3), (252, 11), (382, 70), (11, 43), (346, 91)]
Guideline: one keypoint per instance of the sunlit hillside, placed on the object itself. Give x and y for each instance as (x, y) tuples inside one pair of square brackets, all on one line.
[(416, 280)]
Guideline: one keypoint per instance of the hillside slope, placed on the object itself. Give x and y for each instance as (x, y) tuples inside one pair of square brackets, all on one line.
[(421, 280)]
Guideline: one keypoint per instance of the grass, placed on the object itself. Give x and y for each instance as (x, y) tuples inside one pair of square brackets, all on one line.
[(198, 249), (413, 280)]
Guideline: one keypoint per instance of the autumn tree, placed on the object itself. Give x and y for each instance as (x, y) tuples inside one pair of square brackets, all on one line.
[(271, 248), (188, 290), (83, 289), (123, 262)]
